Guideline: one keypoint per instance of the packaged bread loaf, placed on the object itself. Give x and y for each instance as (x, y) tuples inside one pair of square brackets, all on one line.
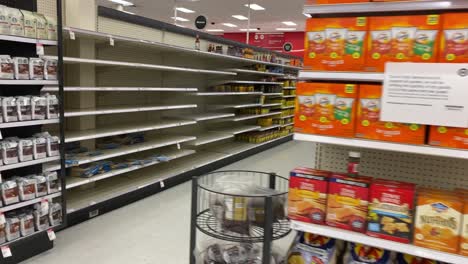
[(36, 69), (4, 20), (6, 67), (30, 24), (16, 22), (10, 192), (21, 67)]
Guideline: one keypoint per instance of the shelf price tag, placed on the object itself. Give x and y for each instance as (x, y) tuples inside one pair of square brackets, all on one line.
[(6, 251), (1, 136), (161, 183), (51, 234), (39, 49), (178, 145), (2, 218), (111, 41), (72, 35)]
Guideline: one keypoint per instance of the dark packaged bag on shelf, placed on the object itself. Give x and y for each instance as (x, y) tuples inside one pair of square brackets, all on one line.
[(9, 152), (7, 67), (12, 227), (41, 184), (24, 108), (55, 214), (21, 67), (26, 223), (4, 21), (51, 28), (39, 107), (16, 22), (36, 69), (10, 192), (53, 182), (52, 106), (30, 24), (50, 69), (39, 147), (27, 188), (9, 109), (41, 26)]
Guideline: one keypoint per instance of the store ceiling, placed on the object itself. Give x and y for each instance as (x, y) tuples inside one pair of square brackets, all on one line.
[(221, 11)]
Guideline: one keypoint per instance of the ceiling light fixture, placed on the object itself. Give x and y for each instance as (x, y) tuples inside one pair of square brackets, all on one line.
[(245, 29), (229, 25), (255, 7), (123, 2), (180, 19), (240, 17), (185, 10), (289, 23), (215, 30), (285, 29)]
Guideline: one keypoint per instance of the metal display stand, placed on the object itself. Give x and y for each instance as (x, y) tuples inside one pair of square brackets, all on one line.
[(263, 212)]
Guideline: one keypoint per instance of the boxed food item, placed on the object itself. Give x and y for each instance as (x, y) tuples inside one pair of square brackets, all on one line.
[(25, 149), (30, 24), (26, 223), (363, 254), (4, 20), (454, 38), (12, 227), (369, 126), (412, 38), (6, 67), (16, 21), (438, 221), (36, 69), (9, 151), (50, 69), (21, 65), (391, 210), (51, 28), (24, 108), (326, 108), (335, 44), (10, 192), (39, 107), (308, 195), (311, 248), (9, 109), (41, 26), (410, 259), (451, 137), (348, 199)]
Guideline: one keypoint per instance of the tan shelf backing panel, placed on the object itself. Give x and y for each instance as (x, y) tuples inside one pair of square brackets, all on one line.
[(424, 170), (47, 7)]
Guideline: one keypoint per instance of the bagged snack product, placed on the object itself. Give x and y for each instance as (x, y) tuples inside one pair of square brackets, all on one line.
[(9, 109), (16, 21), (27, 188), (41, 26), (369, 126), (39, 107), (402, 39), (55, 214), (9, 152), (306, 105), (41, 184), (50, 69), (391, 208), (51, 28), (333, 110), (30, 24), (21, 65), (452, 137), (53, 182), (6, 67), (438, 221), (39, 147), (36, 69), (52, 106), (41, 216), (4, 21), (25, 149), (53, 143), (311, 248), (348, 199), (12, 227), (409, 259), (10, 192), (308, 195), (26, 223), (24, 108), (2, 233), (362, 254), (454, 38), (335, 44)]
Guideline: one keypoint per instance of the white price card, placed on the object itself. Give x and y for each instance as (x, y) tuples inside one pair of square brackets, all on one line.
[(178, 145), (51, 234), (6, 251), (39, 49), (2, 218), (111, 41), (161, 183), (426, 93), (72, 35)]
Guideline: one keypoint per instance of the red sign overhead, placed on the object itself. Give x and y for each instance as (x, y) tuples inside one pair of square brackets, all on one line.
[(273, 41)]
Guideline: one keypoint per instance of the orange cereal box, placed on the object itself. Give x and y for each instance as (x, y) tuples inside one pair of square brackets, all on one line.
[(438, 222), (451, 137), (402, 39), (335, 44), (369, 126), (326, 108), (454, 38)]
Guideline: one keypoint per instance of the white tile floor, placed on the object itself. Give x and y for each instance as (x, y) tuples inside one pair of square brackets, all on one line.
[(156, 230)]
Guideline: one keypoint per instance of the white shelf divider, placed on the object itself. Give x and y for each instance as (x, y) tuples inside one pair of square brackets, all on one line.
[(378, 242), (27, 163), (257, 72), (371, 144), (208, 116), (29, 202), (341, 76), (289, 96), (238, 129), (247, 117), (235, 106), (226, 93), (117, 89), (29, 123), (288, 107), (272, 94), (209, 137), (117, 110)]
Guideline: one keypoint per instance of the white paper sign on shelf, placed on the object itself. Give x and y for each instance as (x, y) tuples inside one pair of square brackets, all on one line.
[(51, 234), (6, 251), (426, 93)]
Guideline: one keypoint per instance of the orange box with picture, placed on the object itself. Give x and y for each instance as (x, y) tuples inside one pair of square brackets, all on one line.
[(326, 108), (451, 137), (402, 39), (369, 126), (335, 44), (454, 38)]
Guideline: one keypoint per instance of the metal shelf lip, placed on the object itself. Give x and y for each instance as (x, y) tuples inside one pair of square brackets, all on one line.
[(271, 105), (272, 94), (209, 137), (239, 130), (118, 89), (284, 117), (288, 107), (25, 237), (28, 40), (422, 5), (254, 82), (117, 38), (289, 87), (341, 76), (138, 65), (257, 72), (288, 124), (227, 93), (370, 144), (75, 181), (155, 143), (28, 82), (72, 136), (289, 96), (382, 243), (209, 116), (117, 110), (30, 123), (247, 117), (269, 127), (27, 163), (29, 202)]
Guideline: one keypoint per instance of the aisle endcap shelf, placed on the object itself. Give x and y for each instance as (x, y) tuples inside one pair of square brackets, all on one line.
[(340, 76)]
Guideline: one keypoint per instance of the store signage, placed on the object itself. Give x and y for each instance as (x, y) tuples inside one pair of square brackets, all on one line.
[(287, 46), (426, 93), (274, 41), (200, 22)]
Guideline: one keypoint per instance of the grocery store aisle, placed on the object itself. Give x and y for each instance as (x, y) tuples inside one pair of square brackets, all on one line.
[(156, 229)]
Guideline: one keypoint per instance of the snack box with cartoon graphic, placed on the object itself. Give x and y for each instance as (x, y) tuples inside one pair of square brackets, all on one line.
[(402, 39), (454, 38), (363, 254), (311, 248), (391, 210), (335, 44), (369, 126), (326, 108), (307, 199), (348, 199), (451, 137)]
